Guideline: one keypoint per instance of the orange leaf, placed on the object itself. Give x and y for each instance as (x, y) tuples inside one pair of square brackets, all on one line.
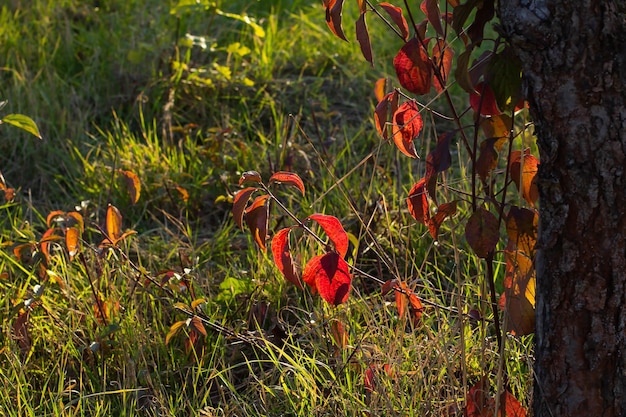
[(53, 215), (443, 211), (395, 13), (72, 236), (523, 169), (407, 125), (250, 176), (331, 276), (521, 227), (481, 232), (256, 217), (418, 202), (518, 298), (387, 105), (288, 178), (239, 204), (113, 224), (132, 184), (282, 256), (413, 67), (442, 58), (333, 18), (77, 218), (184, 194), (379, 89), (363, 37), (339, 334), (334, 230)]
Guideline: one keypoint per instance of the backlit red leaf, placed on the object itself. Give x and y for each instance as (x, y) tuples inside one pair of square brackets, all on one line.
[(413, 67), (250, 177), (431, 10), (340, 336), (363, 37), (443, 211), (523, 169), (333, 18), (395, 13), (407, 125), (483, 100), (406, 297), (133, 185), (256, 218), (518, 298), (480, 403), (442, 58), (481, 232), (417, 202), (239, 204), (334, 230), (282, 256), (289, 178), (331, 276), (387, 105)]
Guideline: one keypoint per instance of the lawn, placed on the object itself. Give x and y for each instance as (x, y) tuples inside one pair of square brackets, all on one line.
[(128, 288)]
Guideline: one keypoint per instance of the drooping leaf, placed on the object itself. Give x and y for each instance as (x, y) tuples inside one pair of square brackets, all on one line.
[(406, 297), (23, 122), (334, 230), (257, 216), (173, 330), (20, 331), (523, 169), (363, 37), (331, 276), (483, 101), (438, 160), (282, 256), (53, 215), (197, 326), (250, 177), (407, 125), (481, 232), (417, 202), (133, 185), (239, 205), (373, 373), (72, 241), (518, 298), (487, 158), (504, 73), (289, 178), (521, 227), (443, 55), (333, 18), (413, 67), (443, 211), (49, 235), (462, 74), (484, 12), (498, 127), (339, 334), (431, 10), (113, 223), (379, 89), (387, 106), (395, 13)]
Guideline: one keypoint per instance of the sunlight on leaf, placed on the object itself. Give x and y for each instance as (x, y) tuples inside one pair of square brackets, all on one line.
[(331, 276), (334, 230), (413, 67), (407, 125), (23, 122)]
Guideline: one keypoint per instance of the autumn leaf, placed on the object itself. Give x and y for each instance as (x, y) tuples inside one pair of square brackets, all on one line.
[(339, 334), (497, 126), (481, 232), (133, 185), (523, 169), (331, 276), (487, 158), (443, 55), (334, 230), (387, 105), (417, 202), (521, 227), (438, 160), (483, 101), (407, 125), (333, 18), (406, 297), (239, 204), (395, 13), (413, 67), (250, 177), (518, 298), (256, 218), (379, 89), (72, 241), (282, 257), (443, 211), (288, 178), (20, 331), (431, 10), (363, 37)]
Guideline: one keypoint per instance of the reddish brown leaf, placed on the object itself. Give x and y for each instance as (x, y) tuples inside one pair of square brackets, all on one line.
[(521, 227), (373, 374), (418, 202), (282, 256), (388, 286), (363, 37), (379, 90), (256, 218), (250, 177), (239, 204), (481, 232), (395, 13), (523, 169), (334, 230), (518, 298), (438, 160), (512, 406), (331, 276), (442, 58), (333, 18), (431, 10), (487, 158), (443, 211), (480, 403), (288, 178), (413, 67), (498, 127), (133, 185), (20, 331), (338, 331), (388, 105), (407, 125), (483, 100), (196, 325)]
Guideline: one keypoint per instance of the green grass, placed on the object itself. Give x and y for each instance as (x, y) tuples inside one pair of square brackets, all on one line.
[(122, 87)]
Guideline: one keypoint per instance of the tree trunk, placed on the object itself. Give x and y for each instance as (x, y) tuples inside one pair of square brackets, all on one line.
[(574, 63)]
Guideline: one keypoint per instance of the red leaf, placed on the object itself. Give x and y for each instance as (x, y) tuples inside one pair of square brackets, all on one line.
[(20, 332), (407, 295), (480, 404), (407, 125), (331, 276), (339, 334), (443, 211), (442, 58), (250, 176), (333, 18), (481, 232), (334, 230), (239, 204), (413, 67), (363, 37), (289, 178), (256, 218), (487, 159), (487, 106), (381, 114), (395, 13), (418, 202), (523, 169), (431, 10), (282, 256), (438, 160)]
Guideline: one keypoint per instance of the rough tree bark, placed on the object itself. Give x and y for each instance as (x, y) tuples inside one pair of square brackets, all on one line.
[(574, 63)]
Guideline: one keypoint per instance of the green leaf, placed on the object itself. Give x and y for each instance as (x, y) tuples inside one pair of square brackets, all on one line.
[(22, 122), (258, 30), (505, 78)]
